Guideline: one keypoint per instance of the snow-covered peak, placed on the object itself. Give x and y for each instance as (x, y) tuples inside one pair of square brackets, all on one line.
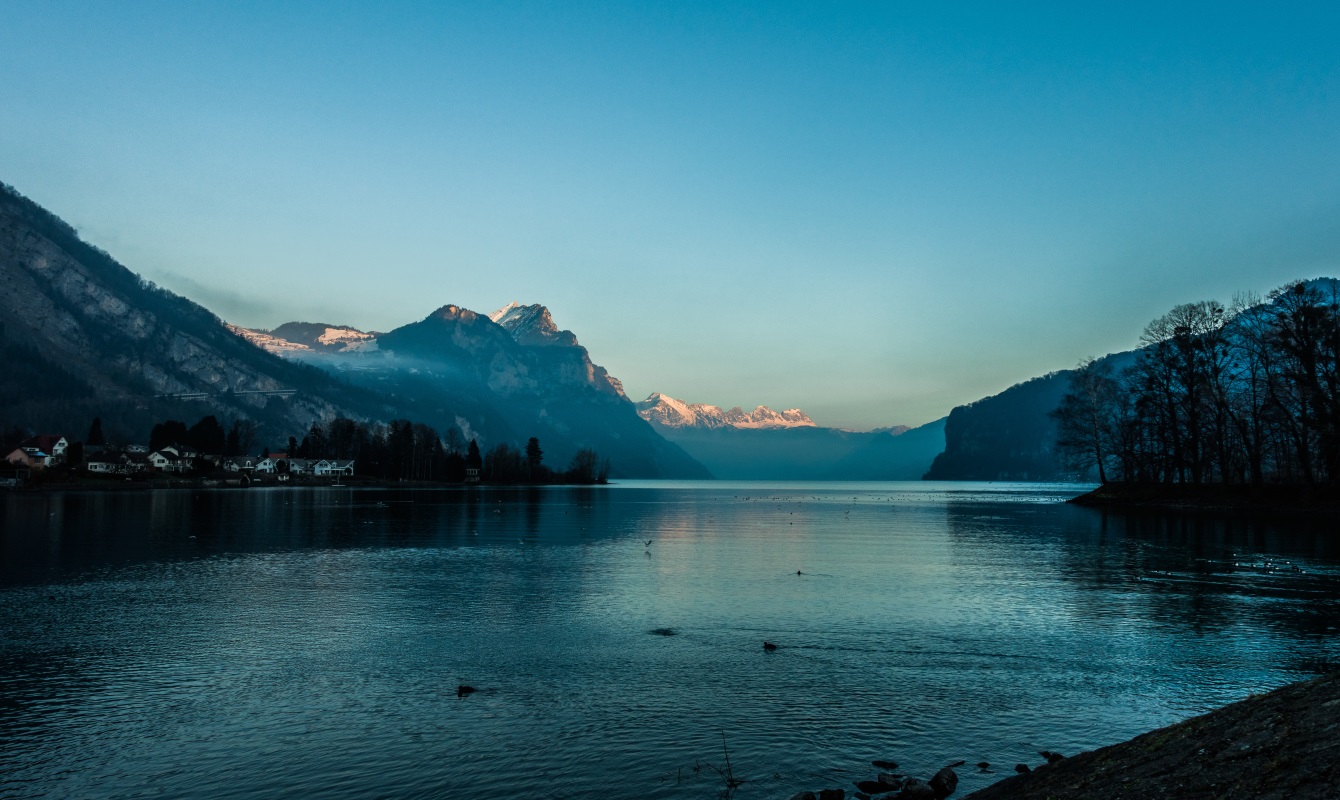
[(672, 413), (505, 313), (531, 325)]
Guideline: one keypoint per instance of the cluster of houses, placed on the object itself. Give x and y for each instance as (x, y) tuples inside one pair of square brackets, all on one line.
[(39, 452), (48, 450)]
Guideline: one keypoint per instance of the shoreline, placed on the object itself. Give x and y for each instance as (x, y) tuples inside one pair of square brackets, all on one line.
[(1281, 744), (1295, 500), (233, 483)]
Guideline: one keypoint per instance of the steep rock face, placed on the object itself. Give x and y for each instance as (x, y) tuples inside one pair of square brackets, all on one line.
[(669, 412), (532, 325), (77, 309), (507, 366), (551, 390)]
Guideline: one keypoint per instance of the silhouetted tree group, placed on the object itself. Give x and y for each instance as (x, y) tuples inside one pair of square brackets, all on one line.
[(1246, 394), (404, 450)]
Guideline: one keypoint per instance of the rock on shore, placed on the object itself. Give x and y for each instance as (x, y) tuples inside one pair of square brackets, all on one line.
[(1285, 744)]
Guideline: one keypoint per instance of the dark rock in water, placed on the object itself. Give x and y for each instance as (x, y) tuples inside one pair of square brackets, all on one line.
[(984, 765), (662, 631), (1051, 757), (861, 796), (889, 765), (877, 787), (803, 796), (944, 782), (463, 690), (917, 789), (770, 646), (956, 764), (1022, 768), (832, 794)]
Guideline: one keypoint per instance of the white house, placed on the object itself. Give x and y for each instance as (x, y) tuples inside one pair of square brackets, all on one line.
[(240, 464), (333, 467), (169, 460), (52, 444)]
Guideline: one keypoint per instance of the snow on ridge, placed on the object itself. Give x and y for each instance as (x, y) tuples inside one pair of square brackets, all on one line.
[(265, 341), (507, 312), (348, 335), (673, 413)]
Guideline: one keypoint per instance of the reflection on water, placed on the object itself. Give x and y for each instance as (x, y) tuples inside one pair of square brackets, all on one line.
[(257, 643)]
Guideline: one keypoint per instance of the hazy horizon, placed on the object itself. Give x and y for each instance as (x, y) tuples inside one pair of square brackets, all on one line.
[(870, 214)]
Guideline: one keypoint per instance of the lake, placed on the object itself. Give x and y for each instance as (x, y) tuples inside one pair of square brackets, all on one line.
[(310, 642)]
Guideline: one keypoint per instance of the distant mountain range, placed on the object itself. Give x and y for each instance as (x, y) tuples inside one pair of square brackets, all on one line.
[(764, 444), (667, 412), (503, 376)]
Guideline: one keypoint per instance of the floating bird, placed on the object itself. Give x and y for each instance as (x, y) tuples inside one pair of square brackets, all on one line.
[(769, 646), (463, 690)]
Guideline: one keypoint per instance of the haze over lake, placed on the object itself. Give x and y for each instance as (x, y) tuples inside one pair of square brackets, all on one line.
[(310, 642)]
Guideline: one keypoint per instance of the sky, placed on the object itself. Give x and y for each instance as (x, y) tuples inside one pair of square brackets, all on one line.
[(873, 212)]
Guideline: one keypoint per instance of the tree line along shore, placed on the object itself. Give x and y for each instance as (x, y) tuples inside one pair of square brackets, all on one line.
[(346, 450), (1223, 406)]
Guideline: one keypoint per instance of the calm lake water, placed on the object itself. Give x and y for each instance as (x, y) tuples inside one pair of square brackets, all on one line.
[(309, 642)]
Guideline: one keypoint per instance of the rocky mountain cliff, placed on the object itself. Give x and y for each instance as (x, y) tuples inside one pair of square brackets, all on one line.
[(531, 325), (97, 340)]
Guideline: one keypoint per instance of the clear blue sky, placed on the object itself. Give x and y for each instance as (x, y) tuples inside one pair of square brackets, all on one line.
[(872, 213)]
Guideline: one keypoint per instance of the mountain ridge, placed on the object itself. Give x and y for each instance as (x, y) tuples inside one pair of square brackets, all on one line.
[(670, 412), (85, 337)]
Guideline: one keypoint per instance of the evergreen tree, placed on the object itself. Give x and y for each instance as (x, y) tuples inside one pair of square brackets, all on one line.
[(534, 455), (168, 432), (95, 437), (207, 436)]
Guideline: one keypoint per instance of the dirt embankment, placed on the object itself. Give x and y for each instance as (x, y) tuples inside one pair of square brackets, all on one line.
[(1285, 744)]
